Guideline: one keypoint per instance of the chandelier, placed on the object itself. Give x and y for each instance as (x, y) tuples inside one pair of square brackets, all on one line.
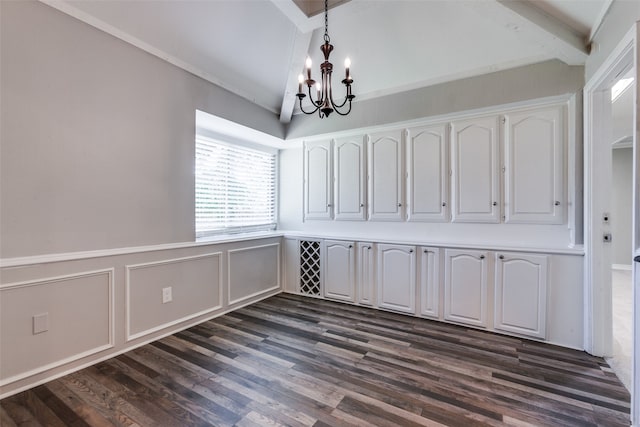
[(324, 102)]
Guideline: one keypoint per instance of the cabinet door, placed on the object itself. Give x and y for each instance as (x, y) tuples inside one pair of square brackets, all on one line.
[(428, 174), (366, 273), (349, 165), (429, 280), (521, 294), (534, 166), (339, 272), (317, 180), (475, 170), (465, 289), (396, 277), (386, 176)]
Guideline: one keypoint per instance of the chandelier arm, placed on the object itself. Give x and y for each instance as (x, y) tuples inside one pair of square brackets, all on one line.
[(315, 103), (333, 103), (346, 98), (307, 112), (339, 112)]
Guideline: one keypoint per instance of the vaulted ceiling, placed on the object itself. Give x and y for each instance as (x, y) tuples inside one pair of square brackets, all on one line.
[(257, 48)]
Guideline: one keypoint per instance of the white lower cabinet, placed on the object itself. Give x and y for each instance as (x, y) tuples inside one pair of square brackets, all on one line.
[(366, 273), (521, 294), (499, 291), (339, 270), (429, 281), (396, 277), (465, 287)]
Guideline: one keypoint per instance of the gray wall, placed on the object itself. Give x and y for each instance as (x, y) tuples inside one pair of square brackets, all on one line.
[(622, 206), (96, 139), (517, 84)]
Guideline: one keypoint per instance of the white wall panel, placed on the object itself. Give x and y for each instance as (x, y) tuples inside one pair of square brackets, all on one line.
[(252, 271), (196, 287), (79, 322)]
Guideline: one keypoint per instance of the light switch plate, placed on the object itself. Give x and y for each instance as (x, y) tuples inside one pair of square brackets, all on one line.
[(166, 295), (40, 323)]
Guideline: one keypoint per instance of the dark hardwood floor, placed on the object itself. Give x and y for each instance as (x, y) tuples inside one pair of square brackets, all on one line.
[(299, 361)]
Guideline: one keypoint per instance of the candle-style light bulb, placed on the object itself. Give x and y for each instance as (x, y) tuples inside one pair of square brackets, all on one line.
[(300, 81), (319, 88), (347, 64), (308, 64)]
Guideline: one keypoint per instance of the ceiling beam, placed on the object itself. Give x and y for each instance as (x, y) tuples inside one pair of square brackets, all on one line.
[(530, 23), (316, 7), (299, 19), (298, 55), (600, 19)]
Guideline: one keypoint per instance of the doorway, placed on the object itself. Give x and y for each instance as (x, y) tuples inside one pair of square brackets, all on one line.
[(621, 225), (598, 230)]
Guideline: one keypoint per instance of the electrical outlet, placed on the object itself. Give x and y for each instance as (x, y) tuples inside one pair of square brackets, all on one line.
[(166, 295), (40, 323)]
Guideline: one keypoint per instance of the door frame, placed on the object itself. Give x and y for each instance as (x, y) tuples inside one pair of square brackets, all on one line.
[(597, 181)]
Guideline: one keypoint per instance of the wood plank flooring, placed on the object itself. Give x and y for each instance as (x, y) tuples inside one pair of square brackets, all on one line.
[(297, 361)]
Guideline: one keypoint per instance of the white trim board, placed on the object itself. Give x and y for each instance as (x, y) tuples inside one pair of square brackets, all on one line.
[(597, 277), (100, 253)]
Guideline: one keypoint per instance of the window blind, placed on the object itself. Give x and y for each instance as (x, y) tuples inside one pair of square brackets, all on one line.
[(235, 188)]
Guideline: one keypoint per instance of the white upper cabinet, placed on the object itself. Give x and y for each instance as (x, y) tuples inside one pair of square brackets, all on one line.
[(349, 165), (386, 176), (428, 173), (339, 270), (396, 277), (475, 167), (465, 287), (521, 294), (534, 172), (318, 198)]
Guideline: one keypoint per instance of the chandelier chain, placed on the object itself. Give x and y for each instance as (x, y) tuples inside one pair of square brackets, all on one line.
[(323, 102), (326, 21)]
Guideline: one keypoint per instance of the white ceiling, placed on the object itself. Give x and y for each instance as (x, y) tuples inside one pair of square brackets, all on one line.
[(256, 48)]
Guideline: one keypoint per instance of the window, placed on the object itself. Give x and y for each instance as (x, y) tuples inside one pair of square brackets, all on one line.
[(235, 188)]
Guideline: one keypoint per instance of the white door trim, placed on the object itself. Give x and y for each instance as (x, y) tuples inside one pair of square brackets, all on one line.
[(597, 179)]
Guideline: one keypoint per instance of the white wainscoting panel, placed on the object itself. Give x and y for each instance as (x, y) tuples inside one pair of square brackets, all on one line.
[(253, 271), (75, 316), (196, 287)]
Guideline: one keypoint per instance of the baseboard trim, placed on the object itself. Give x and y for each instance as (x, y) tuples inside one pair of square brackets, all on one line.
[(623, 267), (132, 345)]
